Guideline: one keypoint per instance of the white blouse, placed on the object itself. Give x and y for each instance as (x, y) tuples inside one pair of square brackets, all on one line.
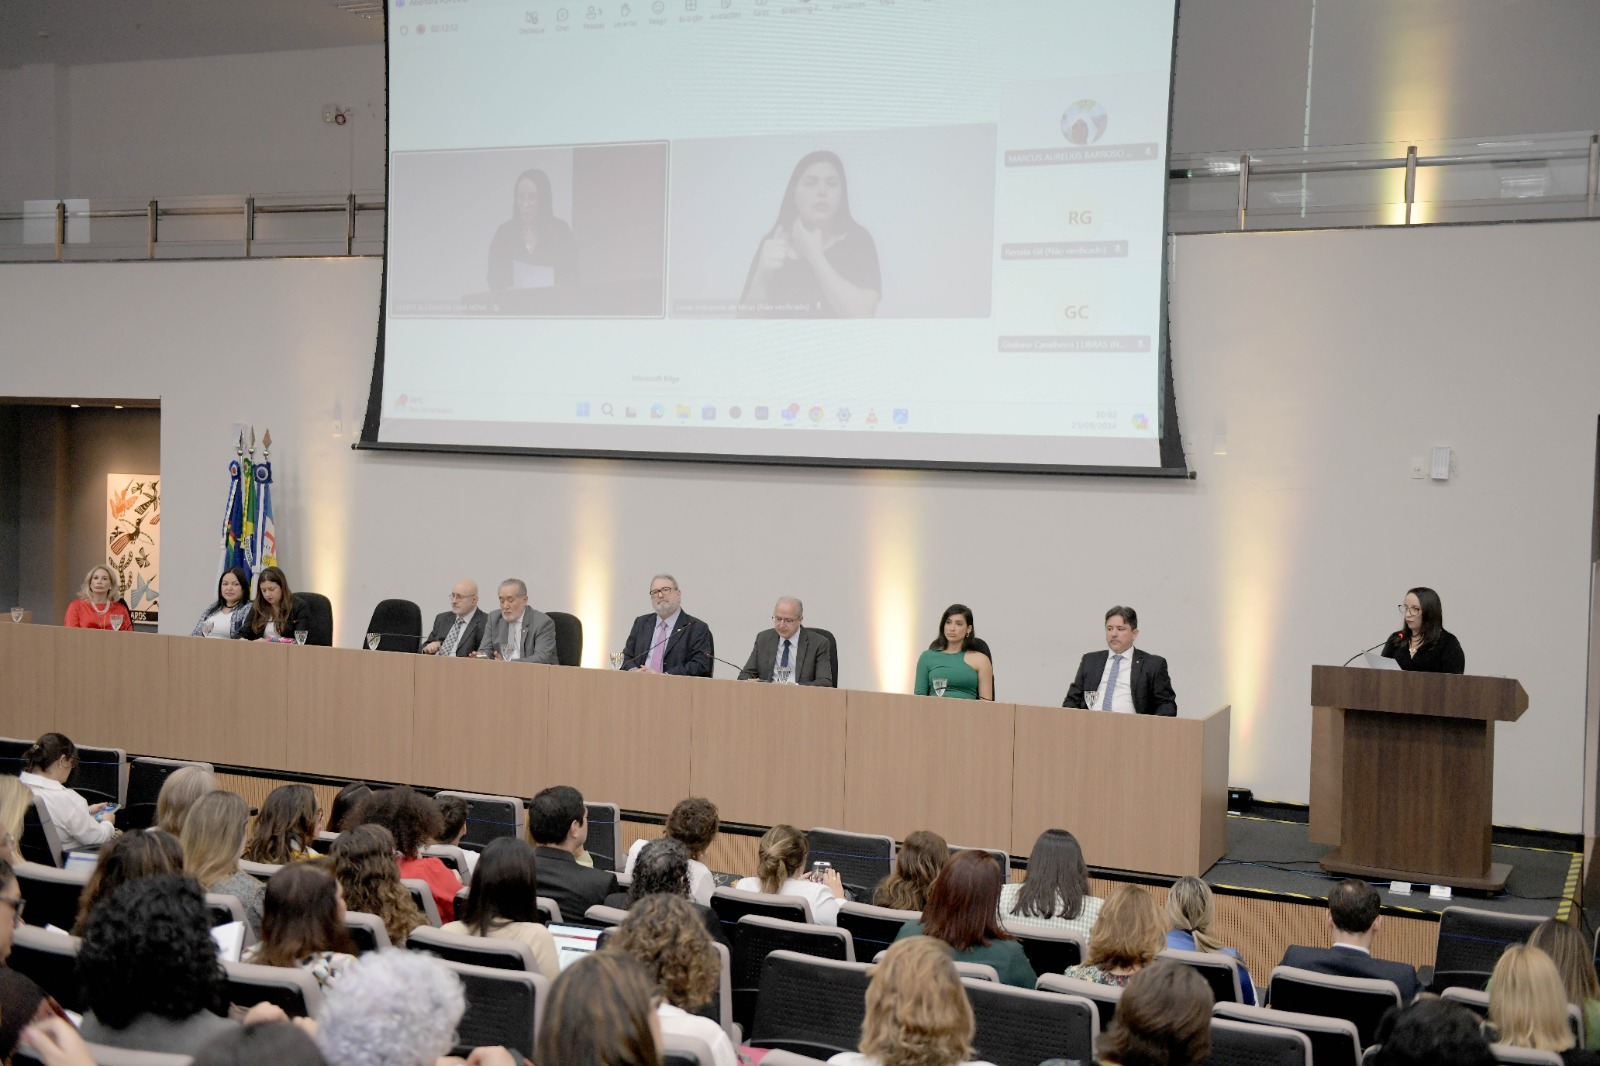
[(824, 904)]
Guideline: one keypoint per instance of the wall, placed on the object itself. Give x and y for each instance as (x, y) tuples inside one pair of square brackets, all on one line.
[(1324, 362)]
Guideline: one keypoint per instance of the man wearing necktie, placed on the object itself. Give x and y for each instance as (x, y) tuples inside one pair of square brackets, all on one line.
[(517, 632), (458, 630), (786, 644), (1123, 679), (669, 640)]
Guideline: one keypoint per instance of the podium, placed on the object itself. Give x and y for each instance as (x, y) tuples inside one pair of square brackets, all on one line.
[(1402, 773)]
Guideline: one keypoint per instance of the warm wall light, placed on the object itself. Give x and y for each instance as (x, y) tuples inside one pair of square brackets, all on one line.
[(592, 522), (895, 557)]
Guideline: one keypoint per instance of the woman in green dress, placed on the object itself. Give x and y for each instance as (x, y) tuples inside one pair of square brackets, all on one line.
[(952, 666)]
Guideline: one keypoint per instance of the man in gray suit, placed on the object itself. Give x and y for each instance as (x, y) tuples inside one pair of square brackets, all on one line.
[(786, 644), (459, 630), (530, 634)]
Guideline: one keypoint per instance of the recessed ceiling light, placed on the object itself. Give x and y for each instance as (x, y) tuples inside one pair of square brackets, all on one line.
[(118, 406), (77, 405)]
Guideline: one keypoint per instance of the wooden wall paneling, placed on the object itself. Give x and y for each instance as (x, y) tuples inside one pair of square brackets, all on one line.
[(28, 699), (481, 726), (621, 738), (348, 712), (1216, 737), (1324, 825), (227, 701)]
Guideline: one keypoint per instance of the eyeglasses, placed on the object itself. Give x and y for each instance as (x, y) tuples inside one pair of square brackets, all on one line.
[(457, 596), (1405, 608), (784, 621), (17, 903), (662, 591)]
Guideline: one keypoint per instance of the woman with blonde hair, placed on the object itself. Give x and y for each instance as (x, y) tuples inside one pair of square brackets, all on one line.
[(667, 935), (1528, 1006), (289, 821), (1191, 912), (99, 604), (213, 839), (368, 872), (917, 1012), (15, 801), (780, 871), (916, 865), (1126, 939), (178, 795), (1570, 952)]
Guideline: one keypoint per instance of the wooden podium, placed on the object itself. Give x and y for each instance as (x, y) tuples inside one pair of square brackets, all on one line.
[(1402, 773)]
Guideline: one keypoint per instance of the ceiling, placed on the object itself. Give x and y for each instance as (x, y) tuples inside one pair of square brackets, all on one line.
[(73, 32)]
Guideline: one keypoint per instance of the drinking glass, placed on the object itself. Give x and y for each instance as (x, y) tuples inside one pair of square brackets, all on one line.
[(16, 614), (300, 635), (116, 621), (1091, 700), (206, 627), (783, 675), (372, 641), (506, 650), (939, 685), (615, 659)]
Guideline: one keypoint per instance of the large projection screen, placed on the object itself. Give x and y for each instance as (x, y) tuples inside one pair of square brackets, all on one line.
[(839, 232)]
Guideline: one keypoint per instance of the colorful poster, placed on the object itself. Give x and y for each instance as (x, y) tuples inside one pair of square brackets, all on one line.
[(133, 540)]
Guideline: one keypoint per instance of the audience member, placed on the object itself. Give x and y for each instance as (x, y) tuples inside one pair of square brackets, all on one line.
[(16, 800), (780, 871), (1191, 912), (391, 1008), (1123, 678), (600, 1014), (1354, 920), (917, 1012), (1569, 950), (963, 910), (22, 1003), (276, 613), (953, 666), (662, 867), (364, 863), (1055, 891), (1432, 1032), (414, 822), (149, 968), (517, 632), (213, 840), (179, 792), (267, 1044), (1528, 1006), (289, 821), (920, 858), (302, 923), (666, 935), (669, 640), (807, 654), (559, 824), (99, 604), (453, 822), (504, 902), (229, 613), (46, 766), (458, 631), (345, 803), (1162, 1019), (1126, 938), (130, 856), (11, 896), (692, 823)]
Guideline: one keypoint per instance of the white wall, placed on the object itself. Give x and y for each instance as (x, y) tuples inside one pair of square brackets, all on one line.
[(1326, 360)]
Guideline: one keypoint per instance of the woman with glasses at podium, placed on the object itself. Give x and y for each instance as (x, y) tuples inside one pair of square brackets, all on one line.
[(1423, 643)]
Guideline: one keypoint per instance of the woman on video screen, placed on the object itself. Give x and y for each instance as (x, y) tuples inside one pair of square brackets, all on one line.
[(817, 262), (533, 249)]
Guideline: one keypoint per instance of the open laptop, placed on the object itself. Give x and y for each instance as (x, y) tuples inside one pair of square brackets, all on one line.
[(573, 942)]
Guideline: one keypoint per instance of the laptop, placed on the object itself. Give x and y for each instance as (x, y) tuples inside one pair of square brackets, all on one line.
[(573, 942)]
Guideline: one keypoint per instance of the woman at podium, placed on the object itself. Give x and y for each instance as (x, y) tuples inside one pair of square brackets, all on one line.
[(1423, 643)]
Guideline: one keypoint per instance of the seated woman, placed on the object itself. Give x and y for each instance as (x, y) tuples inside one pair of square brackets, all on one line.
[(666, 935), (953, 666), (1163, 1019), (919, 860), (1570, 952), (363, 861), (917, 1012), (662, 867), (99, 604), (1191, 912), (275, 614), (1055, 893), (599, 1014), (964, 911), (414, 822), (692, 823), (1423, 643), (392, 1008), (229, 613), (213, 839), (46, 766), (289, 821), (1528, 1006), (16, 800), (179, 793), (533, 249), (127, 858), (1127, 938), (780, 866), (345, 804), (504, 902), (303, 923)]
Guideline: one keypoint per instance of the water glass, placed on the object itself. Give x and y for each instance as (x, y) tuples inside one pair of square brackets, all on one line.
[(372, 641), (615, 660), (300, 635), (16, 614), (506, 650), (1091, 700), (783, 675), (939, 685), (206, 627), (116, 621)]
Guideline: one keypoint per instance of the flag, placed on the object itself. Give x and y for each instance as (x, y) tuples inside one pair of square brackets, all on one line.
[(263, 537), (233, 521), (247, 526)]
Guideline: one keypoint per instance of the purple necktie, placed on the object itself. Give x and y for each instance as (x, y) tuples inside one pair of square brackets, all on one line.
[(658, 651)]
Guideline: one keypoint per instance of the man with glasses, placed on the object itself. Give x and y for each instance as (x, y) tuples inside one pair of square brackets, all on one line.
[(669, 640), (459, 630), (788, 652), (517, 632)]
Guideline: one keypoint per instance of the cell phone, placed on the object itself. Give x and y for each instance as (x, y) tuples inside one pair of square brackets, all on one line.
[(109, 808)]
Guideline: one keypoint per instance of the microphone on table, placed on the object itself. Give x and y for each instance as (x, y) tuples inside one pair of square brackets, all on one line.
[(646, 653), (737, 667), (1375, 647)]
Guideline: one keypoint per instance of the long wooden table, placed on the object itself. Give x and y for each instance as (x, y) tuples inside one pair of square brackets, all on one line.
[(1140, 793)]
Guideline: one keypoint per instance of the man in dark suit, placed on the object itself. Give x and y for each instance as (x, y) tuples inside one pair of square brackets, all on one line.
[(559, 824), (789, 646), (1123, 678), (530, 634), (1353, 916), (669, 640), (459, 630)]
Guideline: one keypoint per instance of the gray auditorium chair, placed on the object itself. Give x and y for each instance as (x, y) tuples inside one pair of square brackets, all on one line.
[(146, 775), (259, 870), (493, 952), (1048, 950), (976, 971), (1236, 1043), (1023, 1027), (1220, 971), (731, 904), (602, 842), (861, 859), (51, 959), (809, 1006), (451, 856), (224, 909), (600, 914), (756, 936), (490, 817), (1478, 1003), (289, 987), (1104, 997), (504, 1007), (1003, 859), (1523, 1056), (106, 1055), (51, 895), (779, 1057), (679, 1049), (101, 775), (873, 928), (422, 896), (1334, 1041), (1471, 942), (40, 842), (1359, 1000), (367, 930), (550, 908)]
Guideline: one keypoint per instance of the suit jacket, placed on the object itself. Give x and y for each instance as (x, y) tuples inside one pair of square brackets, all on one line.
[(689, 649), (299, 614), (574, 888), (538, 636), (469, 640), (1151, 687), (1340, 961), (809, 657)]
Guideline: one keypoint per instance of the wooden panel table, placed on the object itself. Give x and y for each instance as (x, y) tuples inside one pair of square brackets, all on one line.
[(620, 737), (228, 702), (481, 725)]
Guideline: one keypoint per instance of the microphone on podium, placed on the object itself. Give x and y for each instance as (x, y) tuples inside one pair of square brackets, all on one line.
[(1375, 647)]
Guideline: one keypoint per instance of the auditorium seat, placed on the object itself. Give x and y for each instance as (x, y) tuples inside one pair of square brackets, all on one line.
[(1220, 971), (224, 909), (490, 817), (1048, 950), (976, 971), (680, 1049), (422, 896), (1002, 858), (602, 842), (1334, 1041), (1478, 1002), (731, 904), (874, 928), (1471, 941), (101, 775), (503, 1008), (809, 1006), (1024, 1027), (395, 618), (494, 952), (1236, 1043), (1104, 997), (451, 856), (40, 842), (1359, 1000), (756, 936), (106, 1055), (367, 930), (51, 959), (51, 894), (1523, 1056), (600, 914), (720, 1009), (861, 859), (833, 652), (779, 1057), (146, 775), (11, 750), (551, 909), (319, 619), (259, 870), (289, 987), (569, 638)]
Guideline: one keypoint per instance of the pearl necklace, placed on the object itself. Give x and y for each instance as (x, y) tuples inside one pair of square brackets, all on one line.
[(100, 610)]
